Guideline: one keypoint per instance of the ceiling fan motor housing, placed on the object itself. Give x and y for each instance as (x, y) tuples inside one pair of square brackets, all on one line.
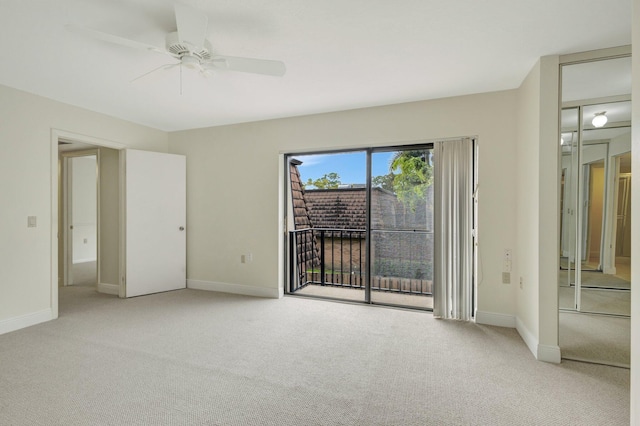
[(184, 49)]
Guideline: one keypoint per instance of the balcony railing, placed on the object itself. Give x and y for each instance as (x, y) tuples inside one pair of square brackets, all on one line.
[(337, 258)]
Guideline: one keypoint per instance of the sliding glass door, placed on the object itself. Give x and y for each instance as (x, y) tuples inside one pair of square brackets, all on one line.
[(361, 225)]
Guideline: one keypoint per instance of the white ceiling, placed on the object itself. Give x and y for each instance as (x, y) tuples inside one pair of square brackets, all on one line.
[(340, 54)]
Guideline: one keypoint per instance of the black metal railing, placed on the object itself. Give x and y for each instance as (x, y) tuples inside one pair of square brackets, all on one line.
[(324, 256), (336, 257)]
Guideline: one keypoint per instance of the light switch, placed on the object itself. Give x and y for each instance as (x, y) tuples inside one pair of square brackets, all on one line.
[(31, 222)]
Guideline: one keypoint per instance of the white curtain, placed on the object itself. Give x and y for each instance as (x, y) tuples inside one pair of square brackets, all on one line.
[(453, 245)]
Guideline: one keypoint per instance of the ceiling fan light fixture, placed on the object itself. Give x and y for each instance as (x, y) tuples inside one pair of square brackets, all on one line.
[(599, 119), (190, 62)]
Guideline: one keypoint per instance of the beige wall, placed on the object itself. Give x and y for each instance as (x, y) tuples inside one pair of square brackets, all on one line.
[(635, 228), (537, 210), (528, 233), (27, 160), (233, 174)]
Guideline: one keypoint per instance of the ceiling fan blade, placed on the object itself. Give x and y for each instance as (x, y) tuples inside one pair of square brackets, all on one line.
[(99, 35), (192, 25), (250, 65), (165, 67)]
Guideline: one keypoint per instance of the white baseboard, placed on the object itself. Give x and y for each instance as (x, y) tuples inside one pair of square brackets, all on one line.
[(16, 323), (529, 339), (546, 353), (108, 288), (492, 318), (246, 290), (549, 353)]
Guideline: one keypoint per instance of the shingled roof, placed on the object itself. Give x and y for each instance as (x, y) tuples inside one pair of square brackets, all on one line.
[(300, 210), (306, 248), (342, 208)]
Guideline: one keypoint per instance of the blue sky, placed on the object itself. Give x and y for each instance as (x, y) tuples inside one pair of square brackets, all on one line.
[(351, 166)]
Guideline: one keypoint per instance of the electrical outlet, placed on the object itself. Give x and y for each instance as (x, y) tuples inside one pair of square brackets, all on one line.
[(506, 278), (521, 283)]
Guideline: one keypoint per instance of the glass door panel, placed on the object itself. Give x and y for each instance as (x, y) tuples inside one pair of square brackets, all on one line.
[(327, 224), (402, 227)]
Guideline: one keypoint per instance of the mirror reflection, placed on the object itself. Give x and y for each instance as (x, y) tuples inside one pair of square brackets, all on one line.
[(594, 241), (595, 237)]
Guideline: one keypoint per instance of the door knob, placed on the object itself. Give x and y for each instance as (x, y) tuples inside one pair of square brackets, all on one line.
[(181, 228)]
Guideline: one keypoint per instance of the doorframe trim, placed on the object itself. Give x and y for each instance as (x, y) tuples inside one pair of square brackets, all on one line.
[(56, 136)]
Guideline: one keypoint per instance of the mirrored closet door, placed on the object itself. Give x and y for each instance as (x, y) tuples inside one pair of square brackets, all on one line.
[(595, 144), (594, 239)]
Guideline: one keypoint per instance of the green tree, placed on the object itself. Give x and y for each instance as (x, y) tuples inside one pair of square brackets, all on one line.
[(413, 174), (327, 181), (384, 181)]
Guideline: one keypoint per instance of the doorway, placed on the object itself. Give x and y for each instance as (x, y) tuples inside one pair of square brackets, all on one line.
[(80, 198), (71, 256)]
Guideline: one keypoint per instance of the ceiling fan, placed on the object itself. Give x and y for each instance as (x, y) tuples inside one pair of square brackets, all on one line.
[(190, 47)]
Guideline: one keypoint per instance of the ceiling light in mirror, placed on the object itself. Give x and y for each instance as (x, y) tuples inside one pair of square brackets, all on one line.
[(599, 119)]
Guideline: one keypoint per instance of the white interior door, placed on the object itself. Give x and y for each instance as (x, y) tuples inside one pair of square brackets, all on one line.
[(155, 216)]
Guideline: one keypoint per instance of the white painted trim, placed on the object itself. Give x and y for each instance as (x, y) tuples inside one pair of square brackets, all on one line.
[(529, 339), (54, 280), (595, 55), (282, 225), (549, 353), (108, 288), (78, 137), (247, 290), (492, 318), (544, 353), (16, 323)]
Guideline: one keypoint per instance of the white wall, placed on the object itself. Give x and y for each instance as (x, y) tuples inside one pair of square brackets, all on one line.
[(233, 174), (27, 158), (635, 214), (537, 210)]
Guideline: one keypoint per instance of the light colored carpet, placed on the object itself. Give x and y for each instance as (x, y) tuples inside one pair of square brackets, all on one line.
[(85, 273), (595, 338), (613, 302), (199, 358)]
